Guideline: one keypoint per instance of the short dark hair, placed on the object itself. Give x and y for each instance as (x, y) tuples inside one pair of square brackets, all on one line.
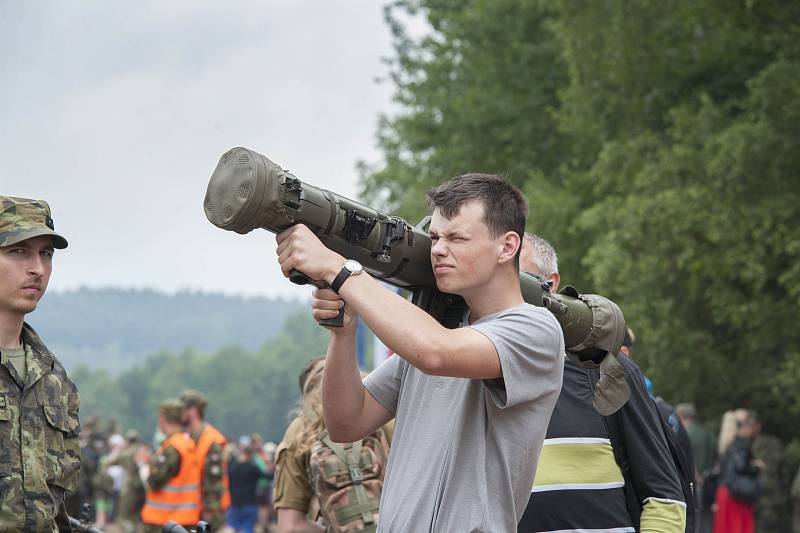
[(194, 398), (504, 206)]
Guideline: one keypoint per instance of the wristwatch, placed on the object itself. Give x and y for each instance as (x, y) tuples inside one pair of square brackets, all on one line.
[(351, 268)]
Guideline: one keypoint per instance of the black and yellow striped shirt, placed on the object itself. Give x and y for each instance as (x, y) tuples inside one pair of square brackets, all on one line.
[(580, 487)]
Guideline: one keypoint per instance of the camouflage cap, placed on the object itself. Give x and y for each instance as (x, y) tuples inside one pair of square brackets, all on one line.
[(194, 398), (172, 410), (22, 218)]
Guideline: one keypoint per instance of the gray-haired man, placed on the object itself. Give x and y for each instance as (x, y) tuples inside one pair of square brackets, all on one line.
[(577, 467)]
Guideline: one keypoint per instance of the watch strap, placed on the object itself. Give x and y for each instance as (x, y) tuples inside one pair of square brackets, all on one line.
[(340, 278)]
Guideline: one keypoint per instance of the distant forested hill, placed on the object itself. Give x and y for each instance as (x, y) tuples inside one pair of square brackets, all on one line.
[(248, 390), (115, 328)]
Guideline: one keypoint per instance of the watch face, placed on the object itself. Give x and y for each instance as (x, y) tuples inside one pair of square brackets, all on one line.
[(353, 266)]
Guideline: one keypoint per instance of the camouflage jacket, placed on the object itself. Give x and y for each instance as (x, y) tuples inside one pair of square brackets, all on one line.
[(213, 487), (132, 483), (163, 467), (40, 453)]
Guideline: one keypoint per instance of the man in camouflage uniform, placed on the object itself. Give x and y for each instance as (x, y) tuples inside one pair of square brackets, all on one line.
[(131, 496), (39, 448), (772, 508), (216, 498)]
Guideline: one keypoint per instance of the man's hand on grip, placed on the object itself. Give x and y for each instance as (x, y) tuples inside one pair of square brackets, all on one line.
[(326, 304), (299, 249)]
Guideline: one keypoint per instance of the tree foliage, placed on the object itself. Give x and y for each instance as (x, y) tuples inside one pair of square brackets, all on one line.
[(247, 390), (658, 144)]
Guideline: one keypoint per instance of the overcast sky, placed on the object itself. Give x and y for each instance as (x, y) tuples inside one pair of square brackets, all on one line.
[(116, 113)]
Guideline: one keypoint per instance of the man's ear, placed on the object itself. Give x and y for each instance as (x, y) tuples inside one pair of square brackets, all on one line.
[(556, 279), (509, 244)]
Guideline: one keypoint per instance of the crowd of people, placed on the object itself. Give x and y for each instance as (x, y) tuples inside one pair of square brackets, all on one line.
[(742, 481), (130, 485), (492, 426), (121, 474), (743, 477)]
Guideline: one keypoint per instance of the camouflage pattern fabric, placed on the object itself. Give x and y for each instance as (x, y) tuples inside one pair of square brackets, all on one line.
[(103, 483), (163, 467), (347, 480), (212, 487), (40, 452), (22, 218), (772, 508), (132, 493)]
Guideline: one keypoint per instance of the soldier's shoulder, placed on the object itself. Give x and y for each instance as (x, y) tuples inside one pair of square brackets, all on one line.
[(168, 455), (293, 432), (59, 374), (41, 354), (290, 440), (59, 368)]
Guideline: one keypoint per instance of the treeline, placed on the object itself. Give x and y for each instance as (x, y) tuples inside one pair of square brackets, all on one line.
[(658, 144), (248, 390), (114, 329)]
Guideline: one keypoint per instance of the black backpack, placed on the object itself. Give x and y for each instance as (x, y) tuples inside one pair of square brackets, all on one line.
[(686, 476)]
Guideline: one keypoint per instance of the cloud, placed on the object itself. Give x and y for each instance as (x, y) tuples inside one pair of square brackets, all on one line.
[(117, 113)]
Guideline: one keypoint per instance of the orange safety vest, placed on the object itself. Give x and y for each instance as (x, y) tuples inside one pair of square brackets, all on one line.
[(209, 436), (180, 499)]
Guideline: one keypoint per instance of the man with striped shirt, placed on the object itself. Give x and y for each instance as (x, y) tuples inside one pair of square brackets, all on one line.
[(579, 486)]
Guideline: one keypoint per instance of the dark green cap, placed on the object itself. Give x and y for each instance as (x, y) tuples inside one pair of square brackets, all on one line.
[(23, 218)]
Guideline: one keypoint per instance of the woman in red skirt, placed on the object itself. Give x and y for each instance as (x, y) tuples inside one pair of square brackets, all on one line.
[(740, 476)]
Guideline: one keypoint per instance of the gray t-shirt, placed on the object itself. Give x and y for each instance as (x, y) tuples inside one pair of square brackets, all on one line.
[(464, 452)]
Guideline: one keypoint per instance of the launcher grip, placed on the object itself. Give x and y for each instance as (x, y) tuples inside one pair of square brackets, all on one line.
[(295, 276)]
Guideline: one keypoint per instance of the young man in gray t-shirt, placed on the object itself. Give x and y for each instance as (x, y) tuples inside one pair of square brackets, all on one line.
[(471, 404)]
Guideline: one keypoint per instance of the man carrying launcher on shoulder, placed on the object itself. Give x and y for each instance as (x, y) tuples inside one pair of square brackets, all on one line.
[(471, 404)]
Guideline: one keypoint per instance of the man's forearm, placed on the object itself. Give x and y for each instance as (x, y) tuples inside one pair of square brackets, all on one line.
[(419, 336), (342, 390), (405, 329)]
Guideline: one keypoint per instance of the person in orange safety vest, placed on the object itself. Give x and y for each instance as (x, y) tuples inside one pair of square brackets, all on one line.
[(210, 447), (173, 476)]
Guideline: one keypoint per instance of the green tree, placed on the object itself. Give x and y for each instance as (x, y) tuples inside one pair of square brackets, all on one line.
[(484, 67), (247, 390), (658, 145)]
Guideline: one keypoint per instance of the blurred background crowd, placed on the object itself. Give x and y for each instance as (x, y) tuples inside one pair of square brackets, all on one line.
[(111, 485)]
